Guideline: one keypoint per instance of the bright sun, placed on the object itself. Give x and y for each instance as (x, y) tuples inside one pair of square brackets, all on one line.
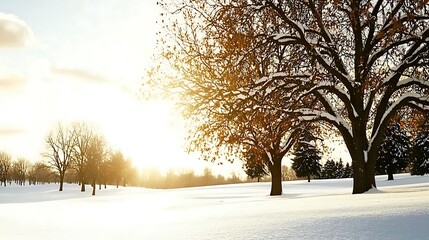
[(147, 133)]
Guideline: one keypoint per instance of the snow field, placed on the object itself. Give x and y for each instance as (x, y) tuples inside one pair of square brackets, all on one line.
[(321, 209)]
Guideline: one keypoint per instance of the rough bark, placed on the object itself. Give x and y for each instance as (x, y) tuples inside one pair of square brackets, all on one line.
[(276, 177), (363, 176)]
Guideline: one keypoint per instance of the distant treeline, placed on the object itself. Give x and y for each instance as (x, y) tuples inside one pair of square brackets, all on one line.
[(22, 172), (153, 178)]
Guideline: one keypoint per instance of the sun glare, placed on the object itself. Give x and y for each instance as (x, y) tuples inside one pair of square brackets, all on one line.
[(148, 134)]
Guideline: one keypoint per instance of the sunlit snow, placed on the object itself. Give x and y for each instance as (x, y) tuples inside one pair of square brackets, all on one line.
[(321, 209)]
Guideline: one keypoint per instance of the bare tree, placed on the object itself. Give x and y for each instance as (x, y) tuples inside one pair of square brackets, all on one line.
[(5, 167), (117, 167), (96, 154), (84, 135), (20, 170), (39, 173), (61, 146)]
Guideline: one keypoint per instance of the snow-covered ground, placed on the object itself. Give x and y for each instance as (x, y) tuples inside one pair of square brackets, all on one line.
[(322, 209)]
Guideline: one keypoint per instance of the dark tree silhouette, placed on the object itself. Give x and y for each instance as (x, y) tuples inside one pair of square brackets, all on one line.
[(329, 170), (420, 151), (348, 171), (254, 165), (60, 144), (307, 156), (339, 169), (393, 153)]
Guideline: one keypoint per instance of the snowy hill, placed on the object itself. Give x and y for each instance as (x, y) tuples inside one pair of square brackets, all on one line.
[(322, 209)]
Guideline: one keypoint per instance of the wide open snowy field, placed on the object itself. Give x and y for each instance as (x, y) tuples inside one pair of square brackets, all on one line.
[(322, 209)]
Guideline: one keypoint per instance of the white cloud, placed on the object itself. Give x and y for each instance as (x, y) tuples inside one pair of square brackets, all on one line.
[(81, 74), (10, 131), (13, 31), (11, 81), (10, 78)]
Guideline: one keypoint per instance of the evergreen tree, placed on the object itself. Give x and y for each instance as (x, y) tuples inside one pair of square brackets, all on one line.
[(420, 152), (348, 171), (329, 169), (339, 169), (393, 152), (254, 166), (307, 156)]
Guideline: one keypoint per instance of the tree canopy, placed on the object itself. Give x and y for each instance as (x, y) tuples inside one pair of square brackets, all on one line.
[(350, 64)]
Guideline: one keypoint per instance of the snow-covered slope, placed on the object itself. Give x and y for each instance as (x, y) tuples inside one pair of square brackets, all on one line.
[(322, 209)]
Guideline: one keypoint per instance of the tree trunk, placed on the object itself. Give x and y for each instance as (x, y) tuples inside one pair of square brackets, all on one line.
[(363, 161), (82, 183), (93, 187), (389, 176), (308, 178), (61, 181), (363, 177), (276, 178)]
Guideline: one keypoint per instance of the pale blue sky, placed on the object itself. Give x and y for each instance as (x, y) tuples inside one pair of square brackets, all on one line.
[(81, 61), (84, 60)]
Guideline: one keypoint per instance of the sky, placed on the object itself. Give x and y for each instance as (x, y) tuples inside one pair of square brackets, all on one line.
[(85, 60), (65, 61)]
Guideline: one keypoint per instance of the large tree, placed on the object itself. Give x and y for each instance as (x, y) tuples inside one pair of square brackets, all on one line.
[(226, 116), (352, 64), (60, 150)]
